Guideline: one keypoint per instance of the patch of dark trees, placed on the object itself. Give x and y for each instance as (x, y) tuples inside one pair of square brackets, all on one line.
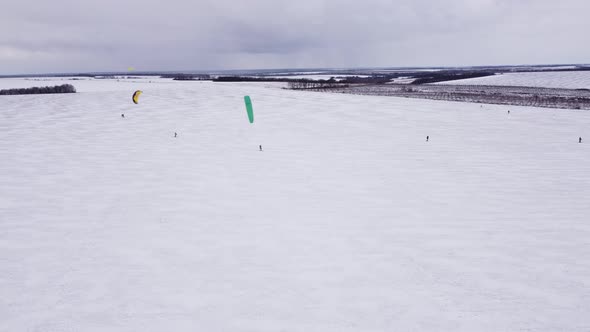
[(317, 84), (444, 76), (66, 88), (187, 77)]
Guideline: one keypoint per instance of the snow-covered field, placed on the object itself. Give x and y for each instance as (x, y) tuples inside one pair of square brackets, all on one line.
[(558, 79), (348, 221)]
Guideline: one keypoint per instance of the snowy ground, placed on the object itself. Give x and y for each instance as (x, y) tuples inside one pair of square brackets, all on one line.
[(348, 221), (558, 80)]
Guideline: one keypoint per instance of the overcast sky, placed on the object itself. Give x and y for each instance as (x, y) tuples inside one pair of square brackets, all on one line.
[(112, 35)]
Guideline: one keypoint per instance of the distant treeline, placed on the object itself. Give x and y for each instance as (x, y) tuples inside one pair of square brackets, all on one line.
[(249, 79), (300, 83), (66, 88), (376, 79), (444, 76), (305, 83), (187, 77)]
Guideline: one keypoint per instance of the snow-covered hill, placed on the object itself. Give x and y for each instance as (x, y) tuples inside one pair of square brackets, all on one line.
[(558, 80), (347, 221)]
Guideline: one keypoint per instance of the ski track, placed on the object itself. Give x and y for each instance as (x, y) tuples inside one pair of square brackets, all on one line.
[(348, 221)]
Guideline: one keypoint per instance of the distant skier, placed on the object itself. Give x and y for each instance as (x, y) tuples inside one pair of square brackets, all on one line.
[(508, 111), (427, 138), (175, 134), (122, 115), (580, 140), (260, 146)]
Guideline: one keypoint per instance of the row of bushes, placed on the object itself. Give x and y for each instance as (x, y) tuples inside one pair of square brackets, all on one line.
[(66, 88), (322, 84)]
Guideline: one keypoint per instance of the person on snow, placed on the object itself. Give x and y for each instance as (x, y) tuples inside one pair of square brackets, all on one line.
[(175, 134), (580, 140), (260, 146), (427, 138), (122, 115)]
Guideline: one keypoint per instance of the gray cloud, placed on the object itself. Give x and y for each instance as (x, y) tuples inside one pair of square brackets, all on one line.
[(67, 35)]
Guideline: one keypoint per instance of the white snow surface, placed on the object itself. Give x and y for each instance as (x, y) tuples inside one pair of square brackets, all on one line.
[(402, 80), (347, 221), (558, 80)]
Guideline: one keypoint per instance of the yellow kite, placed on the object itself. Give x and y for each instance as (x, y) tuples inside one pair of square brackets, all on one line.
[(135, 97)]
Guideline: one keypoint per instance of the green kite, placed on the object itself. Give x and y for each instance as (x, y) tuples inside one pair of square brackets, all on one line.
[(249, 109)]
